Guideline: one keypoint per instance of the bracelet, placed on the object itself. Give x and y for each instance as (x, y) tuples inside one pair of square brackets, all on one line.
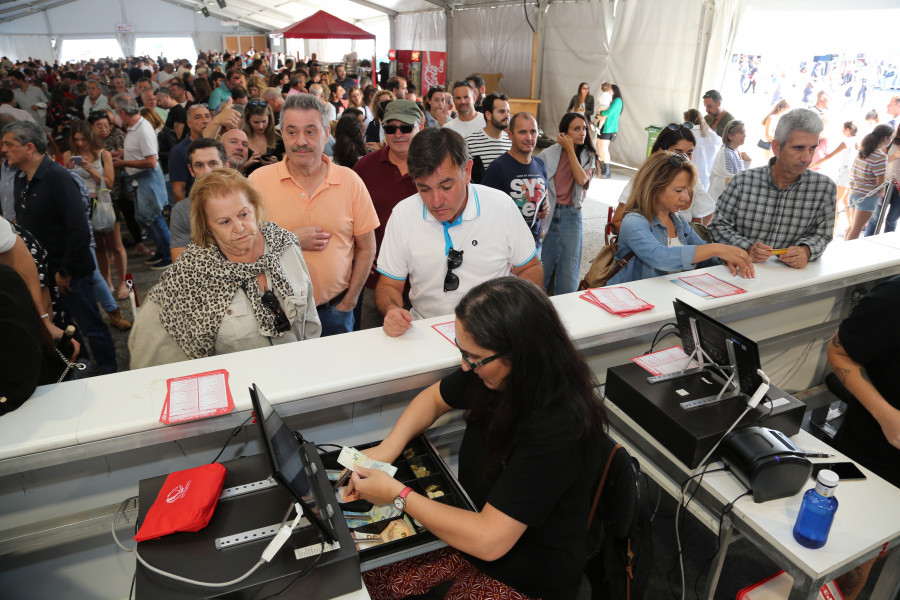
[(45, 316)]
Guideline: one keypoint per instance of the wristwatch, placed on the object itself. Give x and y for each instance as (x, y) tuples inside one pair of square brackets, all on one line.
[(400, 499)]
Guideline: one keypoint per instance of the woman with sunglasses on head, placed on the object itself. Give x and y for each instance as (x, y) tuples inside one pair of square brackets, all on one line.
[(729, 162), (654, 238), (241, 283), (570, 165), (266, 145), (528, 459)]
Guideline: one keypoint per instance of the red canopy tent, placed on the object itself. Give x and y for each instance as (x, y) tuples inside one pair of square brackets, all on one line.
[(321, 25)]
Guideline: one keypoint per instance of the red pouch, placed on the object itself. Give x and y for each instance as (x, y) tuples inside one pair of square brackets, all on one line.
[(185, 503)]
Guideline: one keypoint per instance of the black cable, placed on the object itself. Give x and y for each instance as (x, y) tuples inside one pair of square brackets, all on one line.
[(321, 446), (131, 589), (708, 562), (305, 571), (759, 421), (525, 8), (653, 343), (234, 433)]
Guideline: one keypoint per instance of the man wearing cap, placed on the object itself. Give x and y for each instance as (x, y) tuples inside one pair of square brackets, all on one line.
[(448, 238), (387, 178)]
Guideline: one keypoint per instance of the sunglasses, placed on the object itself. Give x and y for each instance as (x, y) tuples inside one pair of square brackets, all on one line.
[(257, 103), (676, 126), (282, 323), (454, 261), (392, 129), (678, 160), (475, 365), (200, 105)]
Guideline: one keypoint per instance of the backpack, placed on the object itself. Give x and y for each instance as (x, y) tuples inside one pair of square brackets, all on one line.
[(620, 540)]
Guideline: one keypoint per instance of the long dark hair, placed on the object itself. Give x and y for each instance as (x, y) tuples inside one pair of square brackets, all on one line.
[(871, 142), (564, 128), (669, 137), (618, 94), (14, 287), (349, 144), (516, 319)]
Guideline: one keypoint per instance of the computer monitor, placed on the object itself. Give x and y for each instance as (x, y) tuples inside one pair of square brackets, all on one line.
[(289, 464), (714, 338)]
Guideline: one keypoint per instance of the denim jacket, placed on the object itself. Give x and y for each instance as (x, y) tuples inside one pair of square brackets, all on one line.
[(652, 255)]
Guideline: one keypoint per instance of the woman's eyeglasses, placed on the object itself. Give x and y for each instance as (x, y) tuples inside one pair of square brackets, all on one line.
[(270, 301), (454, 261), (392, 129), (476, 364), (676, 126), (252, 103)]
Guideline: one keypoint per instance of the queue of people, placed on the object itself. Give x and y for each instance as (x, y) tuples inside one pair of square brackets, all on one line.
[(308, 213)]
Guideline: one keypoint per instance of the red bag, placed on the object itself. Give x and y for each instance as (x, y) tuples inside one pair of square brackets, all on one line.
[(186, 502)]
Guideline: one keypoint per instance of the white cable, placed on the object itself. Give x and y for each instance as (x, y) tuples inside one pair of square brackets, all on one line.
[(758, 395), (172, 575)]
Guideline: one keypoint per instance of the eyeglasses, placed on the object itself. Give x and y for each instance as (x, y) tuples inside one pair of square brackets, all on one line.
[(454, 261), (252, 103), (678, 160), (270, 301), (200, 105), (392, 129), (676, 126), (475, 365)]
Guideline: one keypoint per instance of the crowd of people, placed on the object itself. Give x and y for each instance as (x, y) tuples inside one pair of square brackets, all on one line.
[(294, 202)]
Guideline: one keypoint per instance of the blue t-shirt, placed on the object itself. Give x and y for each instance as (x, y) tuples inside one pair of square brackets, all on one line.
[(178, 165), (525, 184)]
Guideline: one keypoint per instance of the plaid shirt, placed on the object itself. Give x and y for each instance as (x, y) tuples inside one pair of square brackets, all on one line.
[(752, 208)]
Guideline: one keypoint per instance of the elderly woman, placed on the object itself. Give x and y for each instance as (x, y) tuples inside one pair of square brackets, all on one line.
[(241, 283), (654, 238)]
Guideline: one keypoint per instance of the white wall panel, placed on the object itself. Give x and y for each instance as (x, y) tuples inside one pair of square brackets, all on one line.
[(494, 40), (421, 31)]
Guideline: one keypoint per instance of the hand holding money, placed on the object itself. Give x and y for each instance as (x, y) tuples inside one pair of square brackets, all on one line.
[(352, 458), (374, 485)]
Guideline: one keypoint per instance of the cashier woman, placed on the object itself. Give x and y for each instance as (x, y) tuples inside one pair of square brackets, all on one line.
[(528, 458)]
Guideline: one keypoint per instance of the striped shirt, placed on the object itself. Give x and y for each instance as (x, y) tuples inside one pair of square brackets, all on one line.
[(752, 208), (865, 172), (487, 147)]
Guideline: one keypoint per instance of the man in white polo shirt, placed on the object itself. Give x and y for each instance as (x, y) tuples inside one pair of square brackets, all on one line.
[(449, 237)]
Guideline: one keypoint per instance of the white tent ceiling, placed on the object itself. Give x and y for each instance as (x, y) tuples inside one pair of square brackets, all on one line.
[(662, 53)]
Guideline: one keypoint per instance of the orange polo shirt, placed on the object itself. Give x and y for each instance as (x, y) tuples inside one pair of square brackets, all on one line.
[(341, 206)]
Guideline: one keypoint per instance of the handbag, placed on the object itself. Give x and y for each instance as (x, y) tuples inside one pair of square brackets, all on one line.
[(604, 266), (104, 217), (764, 144)]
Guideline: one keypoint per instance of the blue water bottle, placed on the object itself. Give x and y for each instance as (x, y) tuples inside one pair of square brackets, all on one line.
[(817, 511)]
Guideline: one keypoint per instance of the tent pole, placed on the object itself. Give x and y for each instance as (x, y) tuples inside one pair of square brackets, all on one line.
[(539, 49), (448, 35)]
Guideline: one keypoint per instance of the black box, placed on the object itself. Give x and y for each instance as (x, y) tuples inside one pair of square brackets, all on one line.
[(690, 434), (194, 555), (419, 453)]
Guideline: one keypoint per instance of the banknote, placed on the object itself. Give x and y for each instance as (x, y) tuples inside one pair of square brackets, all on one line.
[(351, 458)]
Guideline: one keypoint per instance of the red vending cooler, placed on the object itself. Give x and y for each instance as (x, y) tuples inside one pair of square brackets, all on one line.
[(424, 68)]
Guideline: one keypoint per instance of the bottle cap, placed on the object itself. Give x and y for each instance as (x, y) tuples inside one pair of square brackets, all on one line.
[(828, 478)]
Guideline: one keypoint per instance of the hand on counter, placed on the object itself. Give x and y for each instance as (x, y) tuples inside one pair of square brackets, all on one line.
[(796, 256), (397, 321)]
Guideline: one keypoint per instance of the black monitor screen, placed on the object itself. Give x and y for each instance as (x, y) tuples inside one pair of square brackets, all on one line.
[(713, 337), (286, 459)]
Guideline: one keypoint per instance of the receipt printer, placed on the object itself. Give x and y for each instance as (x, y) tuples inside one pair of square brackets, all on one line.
[(766, 461)]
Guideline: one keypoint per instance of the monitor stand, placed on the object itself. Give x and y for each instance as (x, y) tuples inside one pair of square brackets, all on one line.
[(704, 362)]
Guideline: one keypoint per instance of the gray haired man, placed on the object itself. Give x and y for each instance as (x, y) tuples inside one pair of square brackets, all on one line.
[(781, 209)]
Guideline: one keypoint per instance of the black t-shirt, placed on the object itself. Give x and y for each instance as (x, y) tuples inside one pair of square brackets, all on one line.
[(178, 114), (871, 337), (545, 483)]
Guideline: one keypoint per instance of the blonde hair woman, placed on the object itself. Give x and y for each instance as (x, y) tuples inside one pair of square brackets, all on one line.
[(658, 239)]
